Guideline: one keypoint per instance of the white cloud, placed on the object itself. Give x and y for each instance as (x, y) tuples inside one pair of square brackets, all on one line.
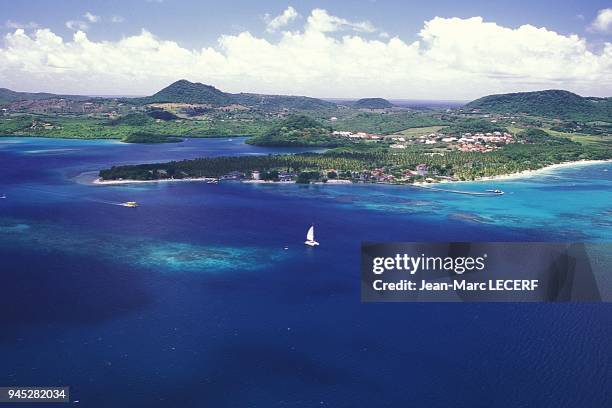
[(603, 22), (77, 25), (282, 20), (92, 18), (321, 21), (117, 19), (14, 24), (452, 58)]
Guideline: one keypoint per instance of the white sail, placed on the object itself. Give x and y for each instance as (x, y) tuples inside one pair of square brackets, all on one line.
[(310, 237), (310, 234)]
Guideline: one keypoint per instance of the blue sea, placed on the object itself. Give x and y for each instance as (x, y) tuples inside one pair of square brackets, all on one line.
[(191, 300)]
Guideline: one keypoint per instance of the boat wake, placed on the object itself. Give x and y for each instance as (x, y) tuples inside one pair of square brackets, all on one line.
[(77, 198), (472, 193)]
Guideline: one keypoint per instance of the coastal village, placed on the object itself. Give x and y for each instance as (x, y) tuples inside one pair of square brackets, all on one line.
[(464, 142)]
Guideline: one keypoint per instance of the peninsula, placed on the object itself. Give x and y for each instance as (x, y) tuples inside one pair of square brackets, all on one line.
[(487, 156)]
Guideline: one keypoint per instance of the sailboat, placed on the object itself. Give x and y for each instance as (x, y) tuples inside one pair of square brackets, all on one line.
[(310, 237)]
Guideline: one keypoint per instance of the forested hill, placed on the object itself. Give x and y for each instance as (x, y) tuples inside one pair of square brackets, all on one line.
[(551, 104), (188, 92), (372, 103), (297, 130), (8, 96), (184, 91)]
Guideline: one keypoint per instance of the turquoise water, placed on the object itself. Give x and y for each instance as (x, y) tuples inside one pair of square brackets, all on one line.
[(192, 300)]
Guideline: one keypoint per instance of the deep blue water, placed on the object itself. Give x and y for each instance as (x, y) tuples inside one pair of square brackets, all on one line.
[(191, 300)]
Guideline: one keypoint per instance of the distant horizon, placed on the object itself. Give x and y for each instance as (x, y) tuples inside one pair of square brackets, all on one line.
[(397, 101)]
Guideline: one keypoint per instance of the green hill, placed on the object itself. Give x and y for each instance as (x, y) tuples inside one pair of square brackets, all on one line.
[(297, 130), (131, 119), (184, 91), (473, 126), (551, 104), (277, 102), (162, 114), (372, 103), (8, 96)]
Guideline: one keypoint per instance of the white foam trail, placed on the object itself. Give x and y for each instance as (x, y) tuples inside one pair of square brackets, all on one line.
[(55, 193)]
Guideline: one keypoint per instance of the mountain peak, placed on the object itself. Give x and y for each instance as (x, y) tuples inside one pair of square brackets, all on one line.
[(190, 92), (184, 91)]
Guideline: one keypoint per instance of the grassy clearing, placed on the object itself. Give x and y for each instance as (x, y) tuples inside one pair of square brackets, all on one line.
[(418, 131), (605, 140)]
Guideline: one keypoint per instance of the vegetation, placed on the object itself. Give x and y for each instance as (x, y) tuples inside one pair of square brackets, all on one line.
[(84, 127), (464, 166), (306, 177), (141, 137), (12, 125), (473, 126), (372, 103), (190, 92), (537, 136), (186, 109), (161, 114), (591, 128), (8, 96), (131, 119), (418, 131), (298, 130), (187, 92), (387, 123), (603, 140), (549, 104)]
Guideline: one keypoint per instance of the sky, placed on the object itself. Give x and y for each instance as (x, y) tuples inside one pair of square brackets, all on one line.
[(450, 50)]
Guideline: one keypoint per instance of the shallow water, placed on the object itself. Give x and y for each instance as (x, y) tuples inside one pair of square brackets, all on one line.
[(191, 299)]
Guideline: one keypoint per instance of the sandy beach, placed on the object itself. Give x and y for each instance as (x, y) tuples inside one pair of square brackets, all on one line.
[(530, 173)]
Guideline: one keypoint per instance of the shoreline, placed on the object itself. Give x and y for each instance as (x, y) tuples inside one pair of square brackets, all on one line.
[(531, 173), (501, 177), (111, 139)]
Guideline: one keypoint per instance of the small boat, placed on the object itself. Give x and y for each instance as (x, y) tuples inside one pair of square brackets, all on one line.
[(495, 191), (3, 196), (310, 237), (130, 204)]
